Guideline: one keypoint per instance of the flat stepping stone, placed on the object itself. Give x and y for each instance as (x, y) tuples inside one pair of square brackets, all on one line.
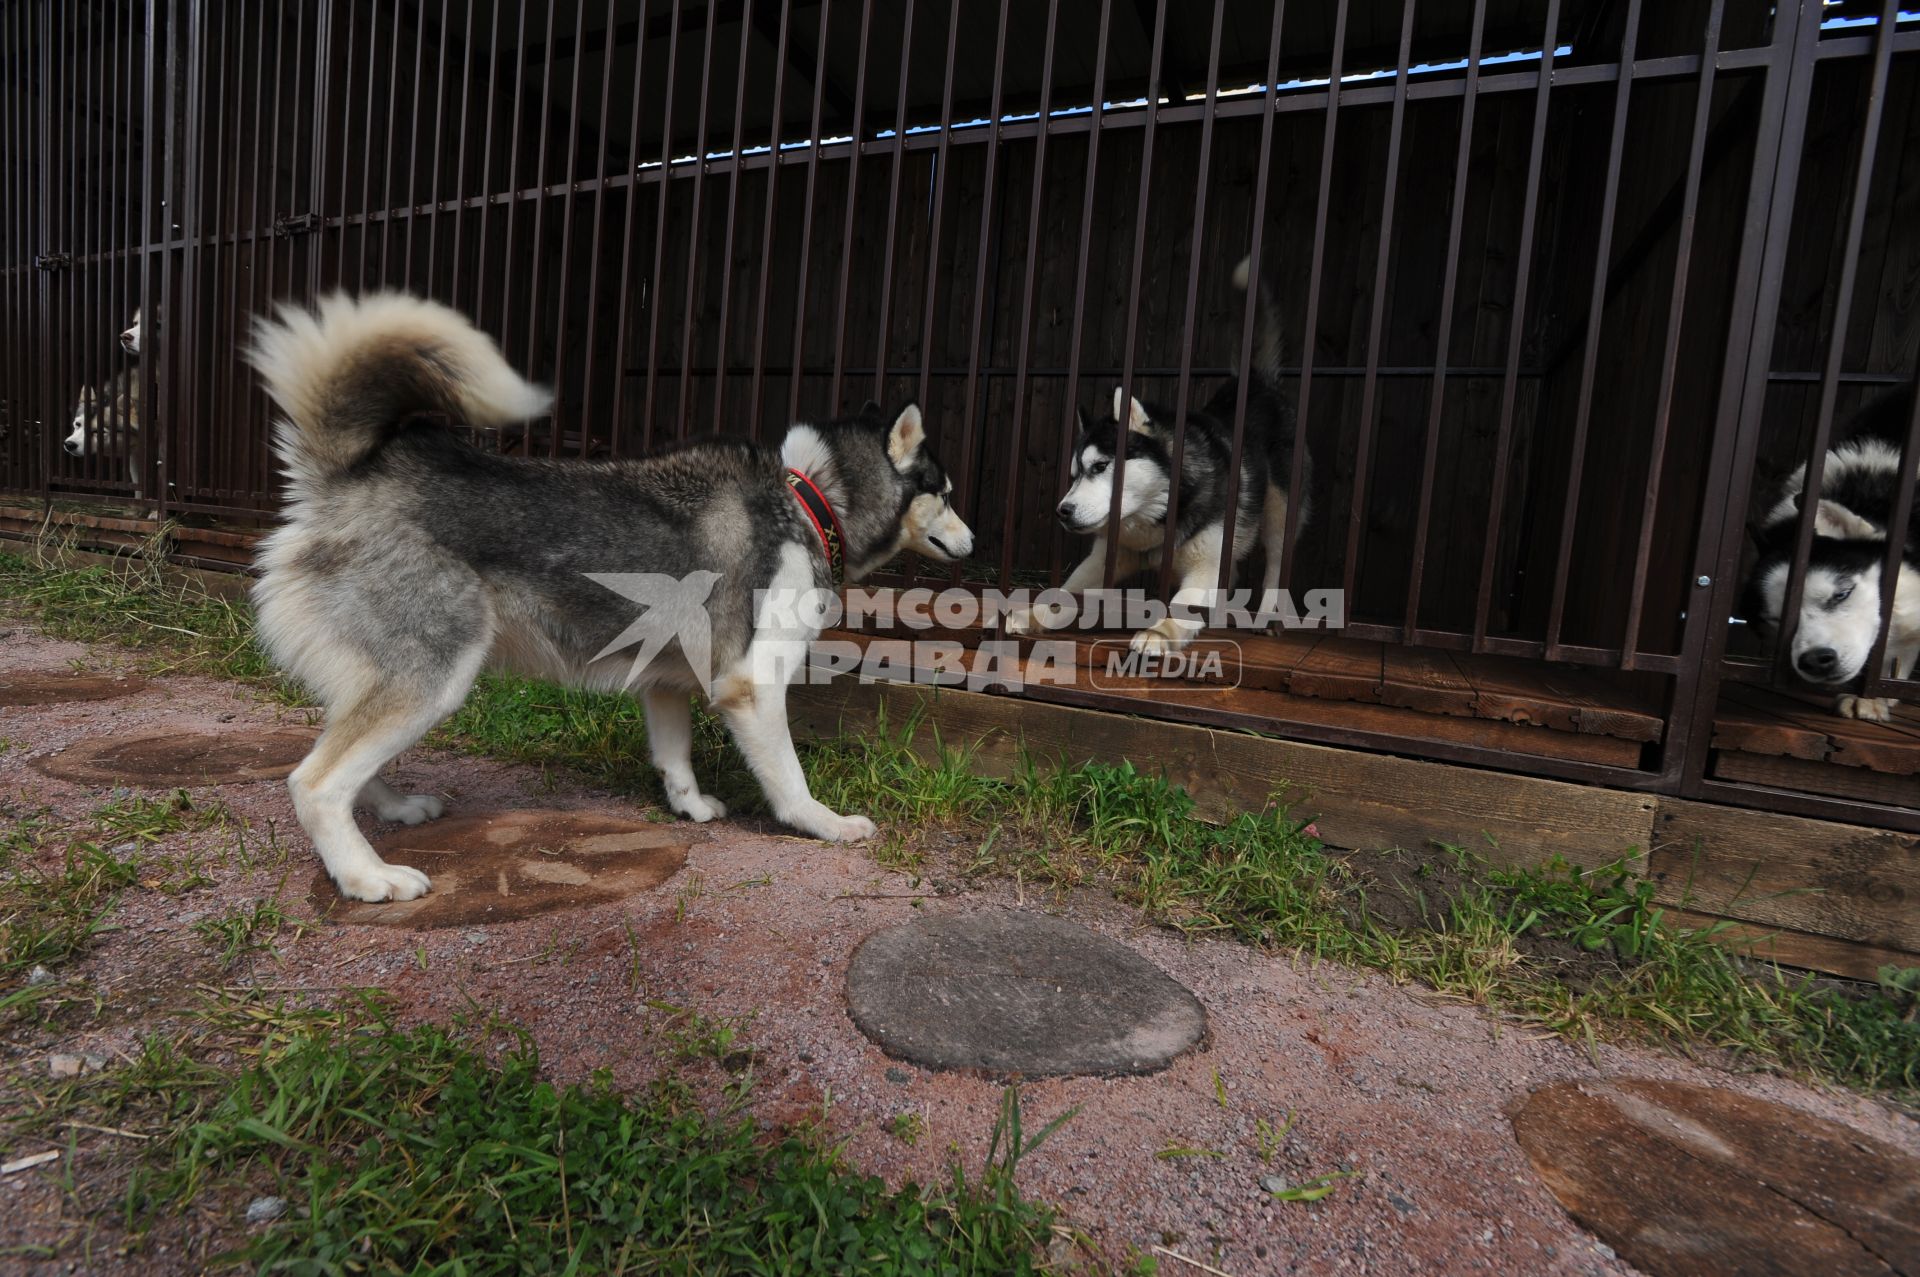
[(59, 687), (177, 760), (1683, 1179), (503, 866), (1006, 991)]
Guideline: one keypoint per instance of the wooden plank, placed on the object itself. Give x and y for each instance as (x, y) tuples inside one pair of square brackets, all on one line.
[(1426, 679), (1739, 724), (1818, 778), (1847, 881), (1357, 799), (1341, 670), (1794, 948)]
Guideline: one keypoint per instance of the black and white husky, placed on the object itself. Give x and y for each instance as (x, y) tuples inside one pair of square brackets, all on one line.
[(106, 418), (409, 561), (1840, 603), (1260, 505)]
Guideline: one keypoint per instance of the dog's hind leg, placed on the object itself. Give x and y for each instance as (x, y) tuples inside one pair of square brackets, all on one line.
[(388, 803), (358, 741), (670, 737)]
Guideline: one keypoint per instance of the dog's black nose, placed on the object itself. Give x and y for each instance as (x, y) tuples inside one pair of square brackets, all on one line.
[(1818, 662), (70, 448)]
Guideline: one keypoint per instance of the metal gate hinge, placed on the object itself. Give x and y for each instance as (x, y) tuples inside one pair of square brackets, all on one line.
[(291, 224), (52, 261)]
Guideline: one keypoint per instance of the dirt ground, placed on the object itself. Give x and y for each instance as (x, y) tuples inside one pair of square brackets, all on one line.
[(1410, 1092)]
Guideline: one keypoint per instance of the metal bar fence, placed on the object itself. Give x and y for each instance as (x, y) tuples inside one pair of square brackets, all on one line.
[(201, 162)]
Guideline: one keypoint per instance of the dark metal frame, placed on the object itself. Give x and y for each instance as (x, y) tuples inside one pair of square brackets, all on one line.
[(147, 83)]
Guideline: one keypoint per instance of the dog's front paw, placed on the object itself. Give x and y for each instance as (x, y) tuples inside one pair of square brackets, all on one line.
[(696, 806), (822, 822), (1873, 709), (1165, 635), (413, 809), (382, 881)]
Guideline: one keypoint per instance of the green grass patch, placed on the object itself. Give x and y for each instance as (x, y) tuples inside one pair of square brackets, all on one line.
[(448, 1150)]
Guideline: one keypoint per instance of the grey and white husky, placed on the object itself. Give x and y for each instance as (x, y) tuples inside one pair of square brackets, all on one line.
[(1840, 602), (1260, 505), (410, 560)]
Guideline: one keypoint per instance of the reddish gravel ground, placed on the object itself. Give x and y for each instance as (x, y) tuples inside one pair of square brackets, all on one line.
[(1409, 1092)]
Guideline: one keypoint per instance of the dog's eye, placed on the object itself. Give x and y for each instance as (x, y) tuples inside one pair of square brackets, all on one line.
[(1098, 467), (1842, 594)]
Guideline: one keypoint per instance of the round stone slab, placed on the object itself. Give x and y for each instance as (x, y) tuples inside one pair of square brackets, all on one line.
[(508, 865), (181, 759), (1684, 1179), (60, 687), (1007, 991)]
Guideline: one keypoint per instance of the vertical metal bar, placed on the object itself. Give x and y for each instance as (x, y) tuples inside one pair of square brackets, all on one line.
[(621, 370), (13, 159), (259, 290), (460, 191), (894, 175), (1766, 232), (207, 222), (1184, 388), (1596, 310), (767, 224), (859, 133), (534, 308), (1858, 198), (1141, 208), (366, 140), (151, 426), (480, 270), (600, 197), (1377, 313), (168, 417), (687, 324), (1892, 565), (242, 399), (1443, 341), (734, 180), (566, 240), (50, 404), (1023, 352), (317, 168), (1070, 409), (965, 487), (387, 152), (1250, 306), (1296, 480), (88, 357), (937, 199), (655, 302), (799, 355), (513, 183), (1516, 330), (440, 135), (1676, 314)]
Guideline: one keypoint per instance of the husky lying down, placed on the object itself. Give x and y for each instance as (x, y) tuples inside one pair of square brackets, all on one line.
[(1260, 505), (1840, 602), (409, 561)]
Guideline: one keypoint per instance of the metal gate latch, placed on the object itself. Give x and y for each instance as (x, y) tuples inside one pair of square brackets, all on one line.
[(52, 261), (288, 225)]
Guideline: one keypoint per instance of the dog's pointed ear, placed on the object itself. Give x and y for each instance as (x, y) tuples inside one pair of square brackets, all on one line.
[(905, 438), (1131, 411), (1834, 520), (1082, 428), (872, 409)]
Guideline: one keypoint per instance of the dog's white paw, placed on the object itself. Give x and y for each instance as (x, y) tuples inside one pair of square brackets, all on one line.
[(1167, 635), (1019, 621), (824, 823), (382, 881), (412, 809), (696, 806), (1871, 708)]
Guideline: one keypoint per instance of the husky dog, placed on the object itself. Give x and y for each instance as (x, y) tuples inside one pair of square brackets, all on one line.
[(130, 339), (410, 560), (106, 420), (1840, 602), (1260, 505)]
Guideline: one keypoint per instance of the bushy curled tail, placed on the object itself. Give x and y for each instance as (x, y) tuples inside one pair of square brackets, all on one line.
[(349, 371), (1266, 325)]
